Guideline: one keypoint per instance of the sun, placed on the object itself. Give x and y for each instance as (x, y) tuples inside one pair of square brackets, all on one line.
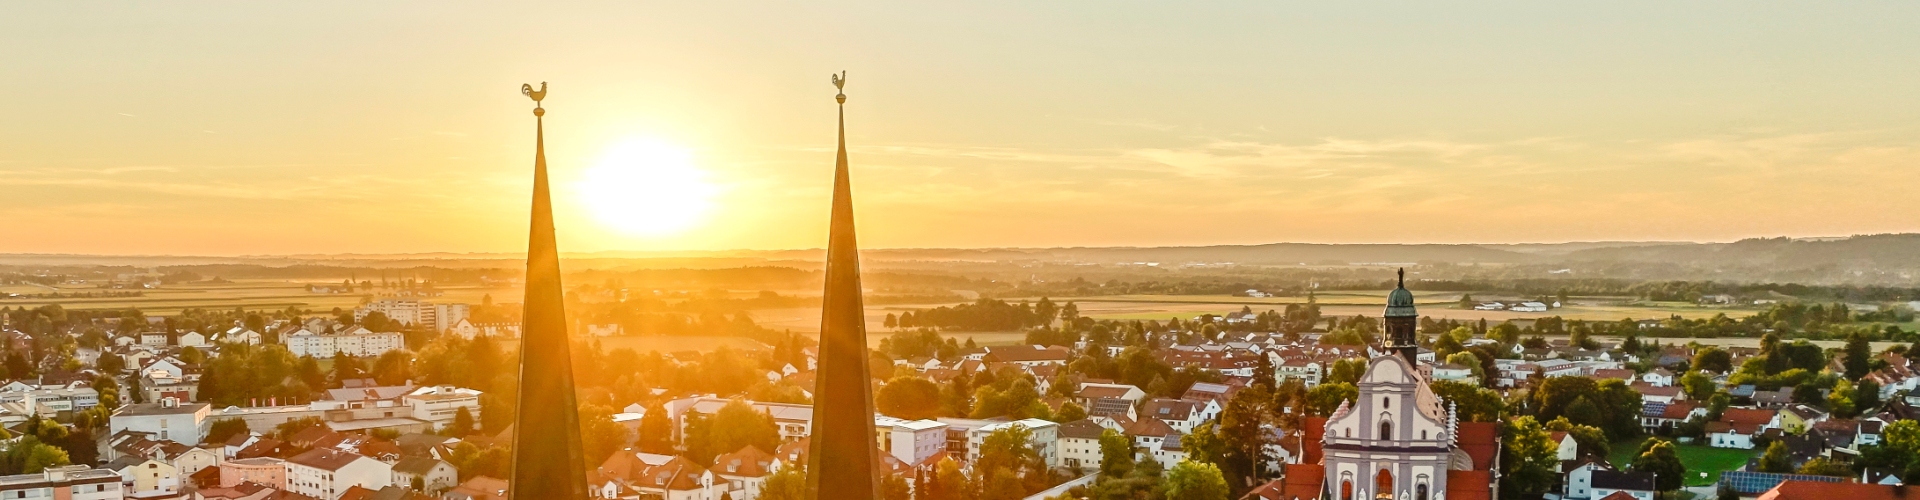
[(647, 188)]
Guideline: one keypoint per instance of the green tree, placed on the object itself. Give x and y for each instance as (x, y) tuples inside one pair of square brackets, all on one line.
[(600, 436), (737, 425), (910, 398), (1822, 466), (1470, 361), (655, 434), (1591, 441), (1859, 355), (1712, 359), (1777, 458), (1326, 397), (1474, 403), (789, 482), (462, 423), (1345, 371), (1527, 459), (1698, 384), (1840, 400), (1658, 457), (1069, 411), (1190, 480), (221, 429), (1116, 453)]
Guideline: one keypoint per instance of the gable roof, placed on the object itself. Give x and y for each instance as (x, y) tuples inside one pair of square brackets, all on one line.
[(1623, 480), (748, 462), (325, 459)]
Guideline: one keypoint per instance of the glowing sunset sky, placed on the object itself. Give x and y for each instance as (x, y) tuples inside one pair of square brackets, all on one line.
[(257, 127)]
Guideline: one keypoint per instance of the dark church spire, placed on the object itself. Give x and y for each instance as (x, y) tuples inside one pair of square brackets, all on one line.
[(1402, 319), (842, 451), (547, 457)]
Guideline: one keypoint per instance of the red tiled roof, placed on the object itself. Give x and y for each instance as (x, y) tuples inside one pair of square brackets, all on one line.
[(1619, 495), (1815, 490), (1678, 410), (748, 462), (1469, 484), (1316, 430), (1302, 482), (1741, 420), (1481, 441), (355, 492)]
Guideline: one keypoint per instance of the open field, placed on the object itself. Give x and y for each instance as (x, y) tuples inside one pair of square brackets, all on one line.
[(1698, 459), (250, 294)]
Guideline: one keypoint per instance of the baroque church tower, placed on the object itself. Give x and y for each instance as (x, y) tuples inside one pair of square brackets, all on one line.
[(1398, 440)]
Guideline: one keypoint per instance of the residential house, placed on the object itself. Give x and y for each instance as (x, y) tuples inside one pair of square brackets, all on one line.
[(478, 488), (745, 471), (69, 482), (1080, 444), (433, 475), (326, 472), (267, 471), (1797, 418), (1737, 426), (1634, 484)]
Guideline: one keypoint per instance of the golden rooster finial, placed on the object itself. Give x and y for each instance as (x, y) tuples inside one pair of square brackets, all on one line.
[(537, 95), (840, 82)]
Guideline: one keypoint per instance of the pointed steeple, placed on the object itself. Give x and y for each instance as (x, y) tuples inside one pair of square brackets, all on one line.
[(842, 450), (547, 457)]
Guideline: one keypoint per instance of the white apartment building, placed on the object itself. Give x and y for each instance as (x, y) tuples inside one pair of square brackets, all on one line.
[(1080, 444), (357, 343), (911, 441), (967, 435), (436, 317), (326, 473), (167, 420), (439, 404), (71, 482)]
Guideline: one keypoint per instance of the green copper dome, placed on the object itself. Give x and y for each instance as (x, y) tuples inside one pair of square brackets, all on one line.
[(1400, 301)]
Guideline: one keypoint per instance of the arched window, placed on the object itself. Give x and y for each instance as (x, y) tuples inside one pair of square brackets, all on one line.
[(1346, 490), (1347, 432), (1423, 433), (1383, 485), (1420, 492), (1386, 430)]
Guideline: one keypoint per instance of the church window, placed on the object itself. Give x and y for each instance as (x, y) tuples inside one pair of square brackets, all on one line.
[(1420, 492), (1386, 403), (1346, 490), (1383, 485), (1386, 430)]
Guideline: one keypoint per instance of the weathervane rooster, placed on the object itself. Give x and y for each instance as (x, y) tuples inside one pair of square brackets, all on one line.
[(527, 90)]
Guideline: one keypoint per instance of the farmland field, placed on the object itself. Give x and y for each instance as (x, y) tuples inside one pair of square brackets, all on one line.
[(250, 294)]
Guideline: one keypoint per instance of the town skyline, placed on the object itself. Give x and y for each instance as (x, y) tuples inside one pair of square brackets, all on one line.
[(226, 130)]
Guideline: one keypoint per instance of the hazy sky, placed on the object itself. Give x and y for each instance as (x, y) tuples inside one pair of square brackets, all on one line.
[(291, 127)]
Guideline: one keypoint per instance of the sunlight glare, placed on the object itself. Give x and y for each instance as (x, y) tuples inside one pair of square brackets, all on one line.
[(646, 187)]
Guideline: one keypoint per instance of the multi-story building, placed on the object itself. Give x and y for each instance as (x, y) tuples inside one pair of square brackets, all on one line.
[(439, 404), (911, 441), (966, 435), (795, 421), (1080, 444), (72, 482), (326, 473), (265, 471), (356, 342), (435, 317), (168, 419)]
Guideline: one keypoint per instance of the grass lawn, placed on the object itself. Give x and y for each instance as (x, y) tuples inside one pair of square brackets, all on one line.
[(1697, 458)]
